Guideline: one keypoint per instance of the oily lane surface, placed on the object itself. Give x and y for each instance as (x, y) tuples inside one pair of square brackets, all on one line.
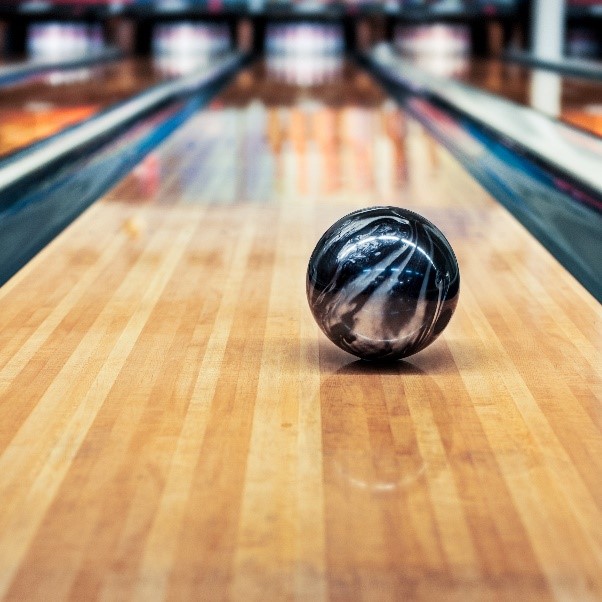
[(173, 424)]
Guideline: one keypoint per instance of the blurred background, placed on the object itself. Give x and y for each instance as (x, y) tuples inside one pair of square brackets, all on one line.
[(480, 27), (304, 42)]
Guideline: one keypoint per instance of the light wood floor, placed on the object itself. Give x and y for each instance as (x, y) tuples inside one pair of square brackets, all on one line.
[(173, 424)]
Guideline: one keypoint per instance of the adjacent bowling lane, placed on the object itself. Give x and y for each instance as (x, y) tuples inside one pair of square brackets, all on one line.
[(43, 105), (574, 100), (173, 424)]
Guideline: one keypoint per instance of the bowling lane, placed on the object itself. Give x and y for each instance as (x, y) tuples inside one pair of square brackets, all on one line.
[(173, 424), (574, 100), (43, 105)]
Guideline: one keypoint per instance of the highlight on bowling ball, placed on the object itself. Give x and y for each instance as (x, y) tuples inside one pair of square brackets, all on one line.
[(383, 283)]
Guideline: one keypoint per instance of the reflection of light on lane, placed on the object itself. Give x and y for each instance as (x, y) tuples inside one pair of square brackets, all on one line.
[(545, 92), (395, 132), (588, 117), (63, 40), (60, 78), (180, 64), (186, 37), (358, 129), (36, 106), (325, 150), (304, 39), (433, 38), (442, 65), (289, 152), (37, 120), (147, 175), (349, 472), (303, 70)]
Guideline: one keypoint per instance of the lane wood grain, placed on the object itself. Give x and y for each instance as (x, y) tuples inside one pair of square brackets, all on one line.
[(173, 424)]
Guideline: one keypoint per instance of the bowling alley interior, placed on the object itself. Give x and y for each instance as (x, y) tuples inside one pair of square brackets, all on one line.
[(301, 300)]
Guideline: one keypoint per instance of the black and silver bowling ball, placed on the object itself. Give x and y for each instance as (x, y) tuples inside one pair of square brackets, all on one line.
[(383, 283)]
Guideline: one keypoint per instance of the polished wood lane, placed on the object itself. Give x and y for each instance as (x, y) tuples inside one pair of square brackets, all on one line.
[(40, 106), (173, 424)]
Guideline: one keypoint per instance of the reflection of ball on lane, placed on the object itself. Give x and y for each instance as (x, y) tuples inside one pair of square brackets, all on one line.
[(383, 283)]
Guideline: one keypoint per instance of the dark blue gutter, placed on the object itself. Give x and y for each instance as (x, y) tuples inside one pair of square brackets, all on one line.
[(71, 170), (565, 216)]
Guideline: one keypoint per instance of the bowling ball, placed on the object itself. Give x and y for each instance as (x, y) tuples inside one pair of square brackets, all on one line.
[(383, 283)]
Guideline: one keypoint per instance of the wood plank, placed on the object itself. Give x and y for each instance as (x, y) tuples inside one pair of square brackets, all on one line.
[(173, 424)]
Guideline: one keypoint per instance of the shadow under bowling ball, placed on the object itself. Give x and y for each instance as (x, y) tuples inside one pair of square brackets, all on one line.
[(433, 360), (379, 367), (369, 444)]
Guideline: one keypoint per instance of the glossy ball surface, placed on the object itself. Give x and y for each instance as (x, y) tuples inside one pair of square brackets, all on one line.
[(383, 283)]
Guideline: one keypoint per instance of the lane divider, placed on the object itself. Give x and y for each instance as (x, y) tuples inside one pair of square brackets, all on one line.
[(10, 74), (27, 162), (569, 151)]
